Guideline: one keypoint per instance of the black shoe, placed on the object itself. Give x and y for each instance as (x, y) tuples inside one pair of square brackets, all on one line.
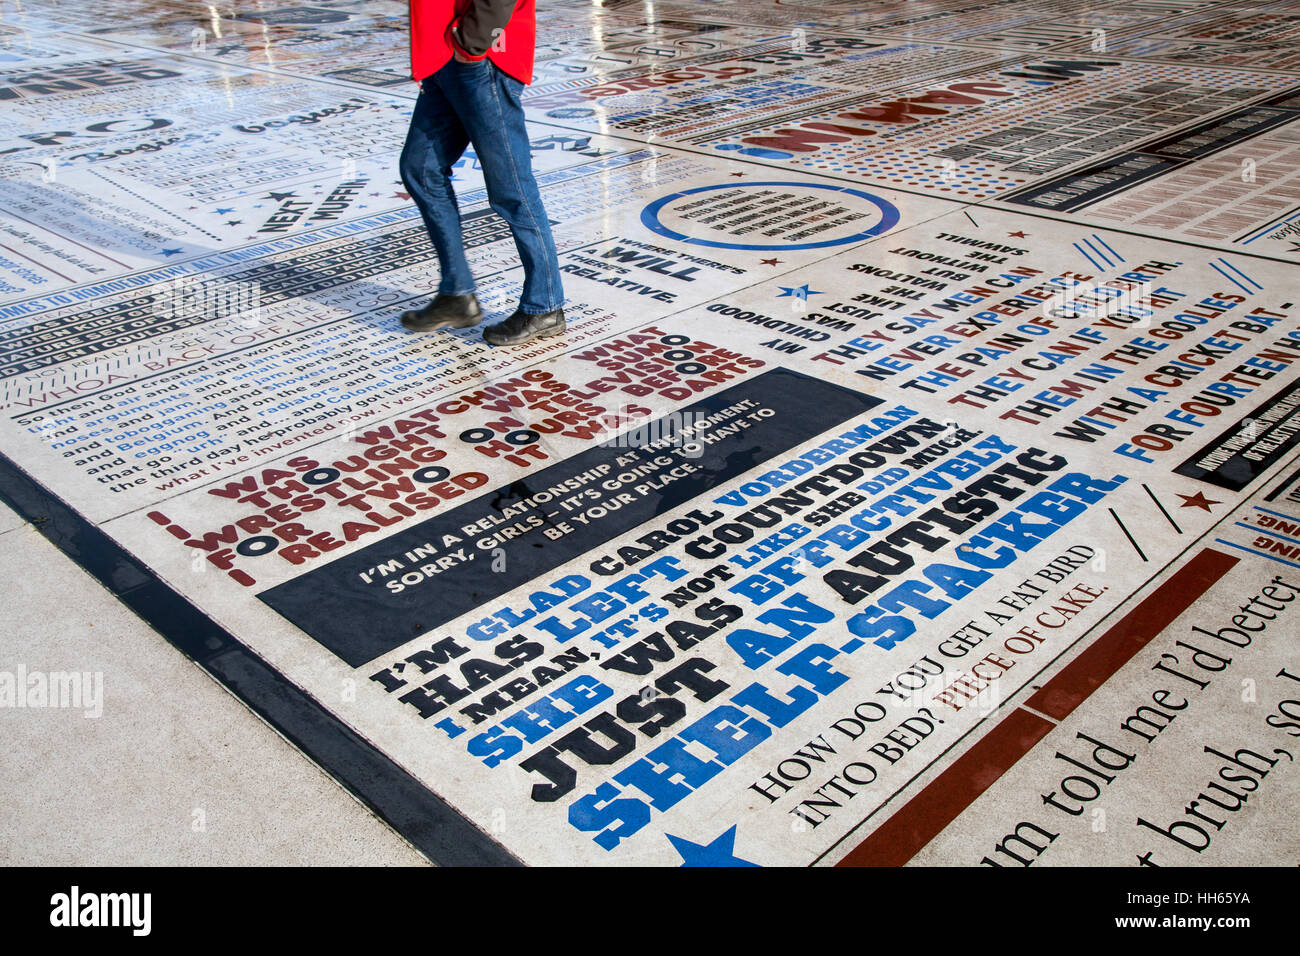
[(445, 312), (522, 327)]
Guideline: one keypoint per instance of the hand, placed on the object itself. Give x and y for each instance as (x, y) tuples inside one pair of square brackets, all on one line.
[(456, 50)]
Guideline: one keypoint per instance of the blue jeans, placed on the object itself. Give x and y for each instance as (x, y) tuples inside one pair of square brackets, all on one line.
[(479, 103)]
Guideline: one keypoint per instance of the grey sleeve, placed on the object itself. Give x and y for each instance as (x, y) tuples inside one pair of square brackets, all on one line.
[(481, 24)]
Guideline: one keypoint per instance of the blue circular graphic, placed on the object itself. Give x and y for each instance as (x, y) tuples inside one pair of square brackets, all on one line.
[(888, 217)]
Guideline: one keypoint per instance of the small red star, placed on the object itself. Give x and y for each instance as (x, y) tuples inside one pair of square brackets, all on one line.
[(1018, 235), (769, 262), (1197, 500), (402, 195), (738, 174)]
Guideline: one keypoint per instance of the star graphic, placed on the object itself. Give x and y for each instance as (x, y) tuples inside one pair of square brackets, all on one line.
[(222, 212), (279, 197), (1018, 235), (1197, 500), (171, 252), (401, 195), (721, 852), (799, 292), (233, 222), (770, 262), (738, 174)]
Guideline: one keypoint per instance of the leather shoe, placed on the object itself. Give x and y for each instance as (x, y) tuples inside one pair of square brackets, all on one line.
[(445, 312), (522, 327)]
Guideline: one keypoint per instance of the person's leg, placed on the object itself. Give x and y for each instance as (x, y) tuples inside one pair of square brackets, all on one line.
[(487, 102), (434, 142)]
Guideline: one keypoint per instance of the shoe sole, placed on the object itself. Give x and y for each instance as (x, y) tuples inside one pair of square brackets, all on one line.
[(459, 323), (532, 338)]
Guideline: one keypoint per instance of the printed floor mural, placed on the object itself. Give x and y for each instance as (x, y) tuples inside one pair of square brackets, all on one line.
[(916, 481)]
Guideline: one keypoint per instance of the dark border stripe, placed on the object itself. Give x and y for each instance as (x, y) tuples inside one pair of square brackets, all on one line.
[(422, 817), (1286, 483)]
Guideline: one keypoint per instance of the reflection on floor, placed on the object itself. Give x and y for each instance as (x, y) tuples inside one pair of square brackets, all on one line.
[(915, 483)]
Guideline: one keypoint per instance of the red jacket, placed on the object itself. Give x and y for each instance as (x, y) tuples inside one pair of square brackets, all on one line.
[(504, 31)]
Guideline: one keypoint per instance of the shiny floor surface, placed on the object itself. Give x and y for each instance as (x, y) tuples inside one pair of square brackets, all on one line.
[(915, 482)]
